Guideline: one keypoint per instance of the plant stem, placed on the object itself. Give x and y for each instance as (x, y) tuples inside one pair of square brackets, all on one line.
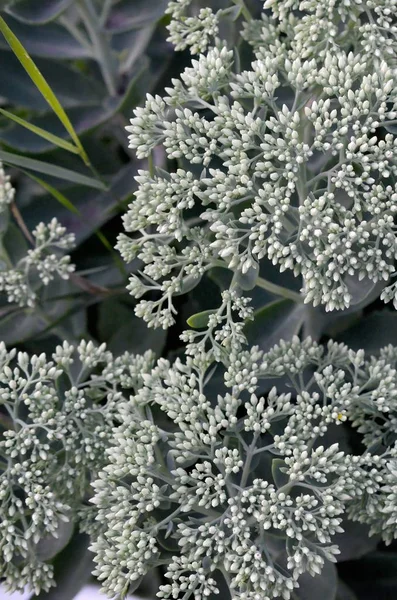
[(107, 5), (248, 459), (150, 161), (244, 9), (21, 223), (278, 290), (101, 46)]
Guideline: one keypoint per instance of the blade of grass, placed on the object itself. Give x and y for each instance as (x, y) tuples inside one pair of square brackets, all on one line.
[(42, 167), (41, 84), (50, 137), (72, 208), (56, 193)]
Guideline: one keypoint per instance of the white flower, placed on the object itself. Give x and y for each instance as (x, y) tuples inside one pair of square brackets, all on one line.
[(223, 472)]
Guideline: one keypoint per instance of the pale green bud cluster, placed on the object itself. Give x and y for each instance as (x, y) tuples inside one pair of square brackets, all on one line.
[(247, 482), (56, 418)]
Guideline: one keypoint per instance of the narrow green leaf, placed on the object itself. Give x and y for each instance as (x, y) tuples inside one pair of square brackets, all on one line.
[(72, 208), (54, 192), (43, 167), (200, 320), (50, 137), (41, 84), (279, 477)]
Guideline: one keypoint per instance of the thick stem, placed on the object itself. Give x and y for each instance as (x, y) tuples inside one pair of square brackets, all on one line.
[(278, 290), (248, 459), (107, 5), (100, 44)]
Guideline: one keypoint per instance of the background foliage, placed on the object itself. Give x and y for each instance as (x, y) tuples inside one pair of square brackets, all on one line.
[(100, 58)]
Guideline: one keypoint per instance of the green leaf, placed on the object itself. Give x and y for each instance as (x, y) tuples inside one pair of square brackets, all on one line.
[(84, 118), (122, 330), (50, 137), (54, 192), (73, 568), (49, 546), (281, 319), (72, 208), (200, 320), (17, 324), (359, 289), (134, 15), (41, 84), (344, 592), (94, 209), (355, 541), (36, 12), (279, 477), (247, 281), (42, 167), (48, 41)]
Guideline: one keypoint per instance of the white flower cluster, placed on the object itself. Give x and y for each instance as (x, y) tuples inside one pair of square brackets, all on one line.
[(40, 265), (292, 161), (244, 480), (317, 26), (56, 418), (7, 192), (322, 25), (192, 30)]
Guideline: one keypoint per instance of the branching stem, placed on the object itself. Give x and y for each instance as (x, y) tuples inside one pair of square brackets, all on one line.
[(100, 44)]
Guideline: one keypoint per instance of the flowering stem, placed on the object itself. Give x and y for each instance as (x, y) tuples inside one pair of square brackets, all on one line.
[(167, 519), (247, 465), (279, 290)]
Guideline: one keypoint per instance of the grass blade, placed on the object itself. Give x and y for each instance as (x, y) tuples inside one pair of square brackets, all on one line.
[(72, 208), (50, 137), (54, 192), (54, 171), (41, 84)]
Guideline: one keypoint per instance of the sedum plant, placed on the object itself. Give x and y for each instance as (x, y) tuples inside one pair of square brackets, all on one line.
[(239, 458), (285, 158), (249, 483), (56, 418)]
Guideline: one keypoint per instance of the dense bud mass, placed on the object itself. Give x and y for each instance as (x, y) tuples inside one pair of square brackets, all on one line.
[(235, 476), (291, 160), (56, 418)]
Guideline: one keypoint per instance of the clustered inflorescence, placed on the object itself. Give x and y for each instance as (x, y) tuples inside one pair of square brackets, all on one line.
[(21, 280), (56, 418), (248, 483), (289, 160)]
